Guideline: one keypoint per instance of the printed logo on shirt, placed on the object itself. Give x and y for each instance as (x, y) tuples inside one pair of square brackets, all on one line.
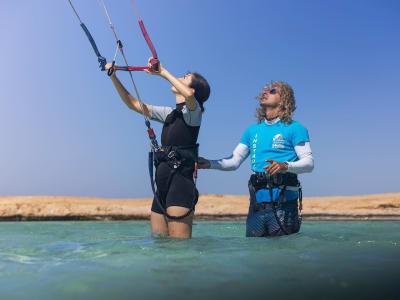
[(278, 141), (253, 157)]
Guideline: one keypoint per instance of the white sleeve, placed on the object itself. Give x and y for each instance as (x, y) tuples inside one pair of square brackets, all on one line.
[(232, 162), (192, 117), (160, 113), (305, 164)]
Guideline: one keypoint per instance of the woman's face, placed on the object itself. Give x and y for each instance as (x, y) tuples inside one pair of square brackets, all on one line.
[(271, 97), (186, 80)]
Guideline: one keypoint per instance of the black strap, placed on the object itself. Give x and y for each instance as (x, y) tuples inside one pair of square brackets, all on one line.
[(282, 195), (252, 191), (274, 210), (151, 161), (300, 204), (262, 180)]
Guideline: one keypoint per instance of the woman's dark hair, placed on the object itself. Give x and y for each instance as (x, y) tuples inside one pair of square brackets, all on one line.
[(201, 89)]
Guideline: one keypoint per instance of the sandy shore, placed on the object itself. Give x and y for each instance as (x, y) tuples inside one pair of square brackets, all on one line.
[(210, 207)]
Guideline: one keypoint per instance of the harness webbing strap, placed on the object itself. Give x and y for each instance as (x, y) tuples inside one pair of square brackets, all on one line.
[(275, 213), (151, 173), (102, 61), (301, 204)]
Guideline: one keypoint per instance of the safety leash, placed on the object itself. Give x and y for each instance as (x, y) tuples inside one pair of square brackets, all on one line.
[(150, 131)]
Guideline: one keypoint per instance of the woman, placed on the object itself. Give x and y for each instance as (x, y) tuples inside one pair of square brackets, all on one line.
[(280, 149), (176, 193)]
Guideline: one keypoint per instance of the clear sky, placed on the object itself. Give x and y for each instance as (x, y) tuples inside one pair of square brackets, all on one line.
[(65, 131)]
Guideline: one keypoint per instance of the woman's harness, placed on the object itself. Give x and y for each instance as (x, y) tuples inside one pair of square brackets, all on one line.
[(176, 157), (260, 181)]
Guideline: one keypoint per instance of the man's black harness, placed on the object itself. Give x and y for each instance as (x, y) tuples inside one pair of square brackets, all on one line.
[(176, 157), (260, 181)]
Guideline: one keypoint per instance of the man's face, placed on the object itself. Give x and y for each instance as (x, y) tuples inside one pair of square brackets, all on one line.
[(186, 80), (271, 97)]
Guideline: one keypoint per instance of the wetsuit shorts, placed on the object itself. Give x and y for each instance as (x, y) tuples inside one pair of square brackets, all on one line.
[(181, 190), (264, 224)]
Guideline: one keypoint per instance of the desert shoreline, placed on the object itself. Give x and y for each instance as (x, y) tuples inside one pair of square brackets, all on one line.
[(211, 207)]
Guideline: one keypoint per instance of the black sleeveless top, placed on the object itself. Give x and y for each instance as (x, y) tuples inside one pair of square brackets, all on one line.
[(176, 132)]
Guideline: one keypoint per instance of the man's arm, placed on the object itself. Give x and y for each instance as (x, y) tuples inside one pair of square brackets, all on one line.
[(230, 163), (305, 164)]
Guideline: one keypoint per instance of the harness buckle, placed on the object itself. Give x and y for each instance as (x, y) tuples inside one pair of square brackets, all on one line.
[(172, 154), (277, 179), (173, 157)]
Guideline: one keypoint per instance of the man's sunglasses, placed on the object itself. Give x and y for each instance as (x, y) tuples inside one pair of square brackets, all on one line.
[(271, 91)]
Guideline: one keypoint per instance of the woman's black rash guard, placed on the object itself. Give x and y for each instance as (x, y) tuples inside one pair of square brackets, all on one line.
[(181, 128)]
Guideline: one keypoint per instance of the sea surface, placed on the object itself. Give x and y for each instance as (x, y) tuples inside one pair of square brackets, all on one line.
[(121, 260)]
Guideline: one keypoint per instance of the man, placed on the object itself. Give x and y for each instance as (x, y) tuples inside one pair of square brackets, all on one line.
[(279, 149)]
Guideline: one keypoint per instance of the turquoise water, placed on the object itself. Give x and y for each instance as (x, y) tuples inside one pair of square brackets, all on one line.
[(120, 260)]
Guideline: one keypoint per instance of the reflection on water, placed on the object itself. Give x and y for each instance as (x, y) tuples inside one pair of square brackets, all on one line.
[(120, 260)]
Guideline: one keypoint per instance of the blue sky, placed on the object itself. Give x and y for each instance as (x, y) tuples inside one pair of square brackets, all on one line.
[(64, 130)]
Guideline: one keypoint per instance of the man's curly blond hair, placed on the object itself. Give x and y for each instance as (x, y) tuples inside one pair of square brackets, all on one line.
[(288, 102)]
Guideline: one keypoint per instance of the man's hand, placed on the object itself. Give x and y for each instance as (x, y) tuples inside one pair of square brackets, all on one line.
[(203, 163), (275, 167)]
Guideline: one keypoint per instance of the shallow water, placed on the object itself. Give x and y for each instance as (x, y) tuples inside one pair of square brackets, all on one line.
[(120, 260)]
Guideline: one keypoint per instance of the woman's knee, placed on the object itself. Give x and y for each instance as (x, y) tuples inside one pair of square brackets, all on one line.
[(181, 228)]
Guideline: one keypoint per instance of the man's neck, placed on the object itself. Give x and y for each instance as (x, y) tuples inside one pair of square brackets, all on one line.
[(272, 122), (272, 114)]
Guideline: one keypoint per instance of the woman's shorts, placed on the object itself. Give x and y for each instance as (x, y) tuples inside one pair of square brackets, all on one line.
[(180, 192)]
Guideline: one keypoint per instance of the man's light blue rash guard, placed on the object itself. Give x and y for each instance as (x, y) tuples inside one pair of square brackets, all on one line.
[(276, 142)]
